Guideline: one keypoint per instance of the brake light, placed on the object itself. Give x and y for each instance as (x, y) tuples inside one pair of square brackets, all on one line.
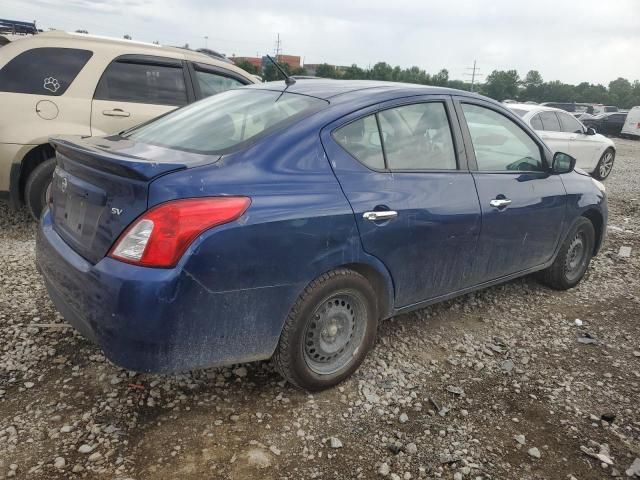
[(160, 236)]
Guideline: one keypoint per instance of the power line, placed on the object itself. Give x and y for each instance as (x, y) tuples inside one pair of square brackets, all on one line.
[(475, 72)]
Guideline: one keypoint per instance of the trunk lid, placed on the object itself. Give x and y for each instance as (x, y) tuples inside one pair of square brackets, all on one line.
[(100, 186)]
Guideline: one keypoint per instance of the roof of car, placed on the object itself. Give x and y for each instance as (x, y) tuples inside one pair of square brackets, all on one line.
[(533, 108), (130, 46), (328, 88)]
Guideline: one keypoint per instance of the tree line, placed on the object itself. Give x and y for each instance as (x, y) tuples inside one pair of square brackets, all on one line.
[(500, 84)]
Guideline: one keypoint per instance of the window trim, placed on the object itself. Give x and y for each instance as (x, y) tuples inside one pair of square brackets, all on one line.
[(149, 60), (193, 67), (471, 154), (445, 100)]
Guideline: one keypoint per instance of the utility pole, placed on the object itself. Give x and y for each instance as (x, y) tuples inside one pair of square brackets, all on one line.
[(475, 72), (278, 48)]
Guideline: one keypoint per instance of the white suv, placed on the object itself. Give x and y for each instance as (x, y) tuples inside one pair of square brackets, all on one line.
[(59, 83)]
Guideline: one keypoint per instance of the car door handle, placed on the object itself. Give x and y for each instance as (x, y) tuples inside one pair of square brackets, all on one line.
[(500, 202), (380, 215), (116, 112)]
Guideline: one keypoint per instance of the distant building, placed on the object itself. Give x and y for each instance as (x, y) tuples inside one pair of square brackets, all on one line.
[(294, 61), (255, 61)]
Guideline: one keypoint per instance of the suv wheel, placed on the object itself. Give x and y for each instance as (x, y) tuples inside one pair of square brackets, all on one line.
[(573, 258), (605, 165), (35, 190), (328, 332)]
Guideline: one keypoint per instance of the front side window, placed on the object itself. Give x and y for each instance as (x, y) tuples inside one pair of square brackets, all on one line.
[(569, 124), (43, 71), (211, 83), (222, 122), (550, 122), (361, 139), (499, 143), (418, 137), (142, 83)]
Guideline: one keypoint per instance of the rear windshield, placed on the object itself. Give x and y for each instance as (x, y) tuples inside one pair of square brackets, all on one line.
[(224, 121)]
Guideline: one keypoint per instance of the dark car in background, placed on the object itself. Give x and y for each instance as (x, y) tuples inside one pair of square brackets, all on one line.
[(607, 123), (286, 220)]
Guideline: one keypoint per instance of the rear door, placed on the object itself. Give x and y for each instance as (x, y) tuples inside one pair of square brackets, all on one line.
[(551, 133), (523, 206), (137, 88), (403, 169)]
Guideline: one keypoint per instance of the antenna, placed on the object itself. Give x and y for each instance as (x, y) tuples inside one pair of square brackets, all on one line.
[(287, 79), (475, 72)]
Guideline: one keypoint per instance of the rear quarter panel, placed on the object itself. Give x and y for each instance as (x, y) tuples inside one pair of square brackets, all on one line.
[(299, 225)]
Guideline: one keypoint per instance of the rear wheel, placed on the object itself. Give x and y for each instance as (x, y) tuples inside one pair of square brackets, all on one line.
[(605, 165), (35, 190), (328, 332), (573, 259)]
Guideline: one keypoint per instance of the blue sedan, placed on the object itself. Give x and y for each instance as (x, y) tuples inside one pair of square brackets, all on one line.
[(285, 221)]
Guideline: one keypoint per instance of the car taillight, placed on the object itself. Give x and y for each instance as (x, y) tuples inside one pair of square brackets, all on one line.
[(160, 236)]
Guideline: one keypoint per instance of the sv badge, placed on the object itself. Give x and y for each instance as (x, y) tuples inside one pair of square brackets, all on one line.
[(116, 211)]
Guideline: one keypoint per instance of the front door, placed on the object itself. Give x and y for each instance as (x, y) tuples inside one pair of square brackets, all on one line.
[(403, 170), (523, 205), (585, 148), (135, 89)]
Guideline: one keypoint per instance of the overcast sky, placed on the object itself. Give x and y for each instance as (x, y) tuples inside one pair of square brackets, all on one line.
[(573, 41)]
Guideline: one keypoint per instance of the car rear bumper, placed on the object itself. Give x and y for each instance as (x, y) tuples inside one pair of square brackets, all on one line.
[(159, 320)]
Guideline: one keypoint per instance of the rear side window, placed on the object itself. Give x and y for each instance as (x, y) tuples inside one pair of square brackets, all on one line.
[(211, 83), (550, 122), (43, 71), (417, 137), (223, 122), (536, 123), (142, 83), (362, 140)]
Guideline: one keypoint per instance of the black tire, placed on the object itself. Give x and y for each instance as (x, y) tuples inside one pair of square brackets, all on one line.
[(573, 258), (605, 165), (35, 190), (306, 326)]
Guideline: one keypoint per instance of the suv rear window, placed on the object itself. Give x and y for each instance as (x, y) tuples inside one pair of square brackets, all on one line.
[(43, 71), (224, 121)]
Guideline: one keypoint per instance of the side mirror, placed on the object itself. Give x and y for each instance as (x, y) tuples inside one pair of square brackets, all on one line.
[(590, 131), (563, 163)]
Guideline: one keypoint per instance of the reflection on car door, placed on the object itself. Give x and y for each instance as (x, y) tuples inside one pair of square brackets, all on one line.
[(134, 89), (523, 206), (414, 200)]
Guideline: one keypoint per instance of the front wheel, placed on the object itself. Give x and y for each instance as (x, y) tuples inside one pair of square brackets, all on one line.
[(605, 165), (329, 331), (35, 190), (573, 258)]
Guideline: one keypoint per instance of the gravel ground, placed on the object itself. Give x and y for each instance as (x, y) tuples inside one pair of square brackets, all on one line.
[(499, 384)]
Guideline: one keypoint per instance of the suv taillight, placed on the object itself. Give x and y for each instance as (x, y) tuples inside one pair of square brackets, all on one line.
[(160, 236)]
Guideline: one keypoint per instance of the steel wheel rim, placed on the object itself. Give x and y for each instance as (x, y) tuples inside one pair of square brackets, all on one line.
[(576, 256), (334, 332), (606, 165)]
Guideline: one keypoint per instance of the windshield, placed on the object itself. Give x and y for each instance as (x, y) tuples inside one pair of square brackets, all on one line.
[(224, 121)]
